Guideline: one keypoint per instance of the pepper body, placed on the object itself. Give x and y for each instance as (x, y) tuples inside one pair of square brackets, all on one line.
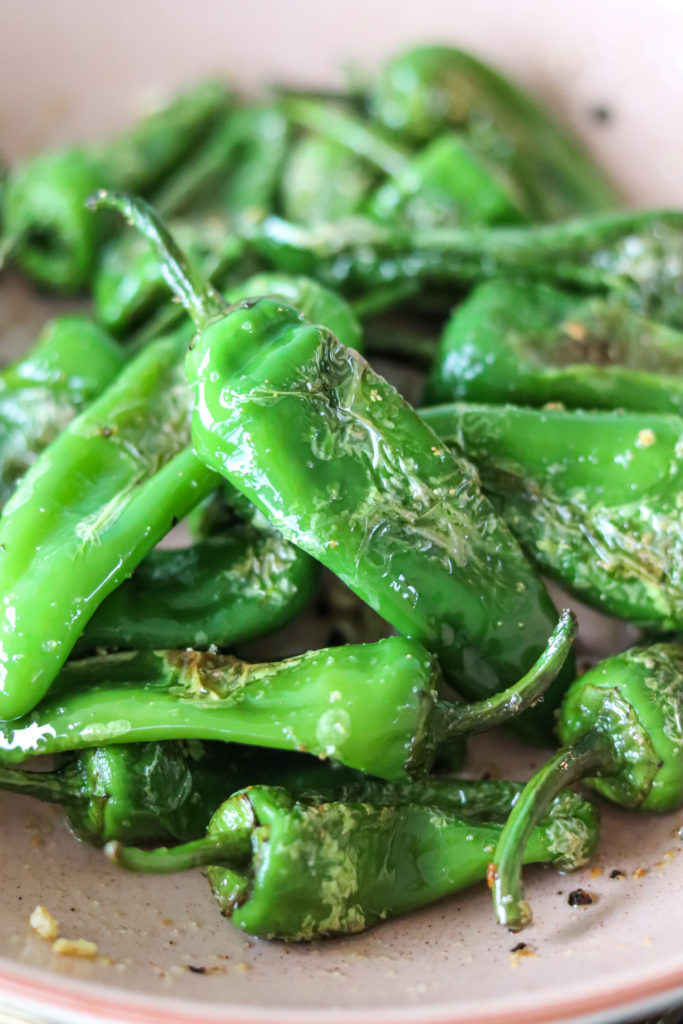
[(531, 344), (72, 362), (87, 512), (290, 869), (231, 588), (593, 498)]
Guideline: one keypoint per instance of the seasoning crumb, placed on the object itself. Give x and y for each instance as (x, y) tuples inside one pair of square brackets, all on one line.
[(596, 871), (580, 898), (44, 924), (196, 970), (576, 331), (520, 946), (550, 406), (640, 872), (75, 947), (646, 438), (617, 873), (519, 951), (241, 966)]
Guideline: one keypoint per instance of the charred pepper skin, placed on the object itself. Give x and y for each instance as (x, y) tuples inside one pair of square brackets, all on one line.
[(46, 229), (424, 89), (358, 482), (593, 498), (530, 344), (231, 588), (73, 361), (297, 869), (372, 707), (620, 726)]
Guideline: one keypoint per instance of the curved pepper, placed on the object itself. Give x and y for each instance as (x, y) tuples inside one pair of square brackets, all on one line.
[(530, 343), (294, 869), (356, 480), (594, 498), (423, 90), (372, 707), (622, 733)]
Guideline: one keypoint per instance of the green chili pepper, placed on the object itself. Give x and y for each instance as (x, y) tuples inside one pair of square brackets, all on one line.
[(637, 256), (372, 707), (323, 180), (424, 90), (72, 362), (593, 497), (621, 730), (294, 869), (221, 591), (46, 228), (530, 343), (89, 509), (357, 480)]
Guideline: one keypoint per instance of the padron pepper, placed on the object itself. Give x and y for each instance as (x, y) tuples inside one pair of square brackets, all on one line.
[(594, 498), (424, 90), (636, 256), (46, 229), (294, 869), (373, 707), (347, 470), (622, 733), (530, 343), (72, 362), (241, 584)]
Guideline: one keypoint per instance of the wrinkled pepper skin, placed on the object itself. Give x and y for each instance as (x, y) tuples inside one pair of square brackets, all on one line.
[(424, 90), (88, 511), (621, 731), (72, 362), (282, 868), (594, 498), (373, 707), (635, 256), (531, 344), (47, 229), (360, 484), (231, 588)]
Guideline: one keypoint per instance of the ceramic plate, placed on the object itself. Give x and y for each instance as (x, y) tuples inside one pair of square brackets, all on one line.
[(612, 69)]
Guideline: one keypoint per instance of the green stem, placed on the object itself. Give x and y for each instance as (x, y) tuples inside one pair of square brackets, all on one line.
[(382, 299), (230, 849), (60, 787), (198, 297), (453, 720), (592, 754)]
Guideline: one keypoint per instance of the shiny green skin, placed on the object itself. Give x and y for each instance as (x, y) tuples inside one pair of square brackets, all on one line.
[(360, 483), (634, 701), (323, 180), (55, 239), (425, 90), (336, 868), (531, 344), (446, 183), (72, 362), (637, 256), (368, 706), (594, 498), (91, 507), (231, 588)]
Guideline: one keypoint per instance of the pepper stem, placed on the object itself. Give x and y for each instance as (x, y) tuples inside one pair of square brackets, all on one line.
[(454, 720), (198, 297), (60, 787), (592, 754), (229, 849)]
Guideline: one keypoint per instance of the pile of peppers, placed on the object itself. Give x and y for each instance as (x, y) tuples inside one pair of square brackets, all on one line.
[(394, 355)]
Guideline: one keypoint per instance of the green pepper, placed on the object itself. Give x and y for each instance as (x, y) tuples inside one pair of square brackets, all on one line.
[(594, 498), (372, 707), (357, 480), (635, 255), (530, 343), (294, 869), (87, 511), (46, 227), (72, 362), (231, 588), (424, 90), (622, 733), (323, 180)]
